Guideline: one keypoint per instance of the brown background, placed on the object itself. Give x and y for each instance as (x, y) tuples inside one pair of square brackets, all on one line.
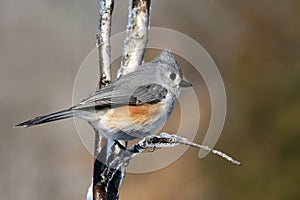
[(256, 47)]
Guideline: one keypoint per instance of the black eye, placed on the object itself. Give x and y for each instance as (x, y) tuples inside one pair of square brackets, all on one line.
[(172, 76)]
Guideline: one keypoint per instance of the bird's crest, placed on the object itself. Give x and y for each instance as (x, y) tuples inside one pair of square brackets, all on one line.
[(167, 57)]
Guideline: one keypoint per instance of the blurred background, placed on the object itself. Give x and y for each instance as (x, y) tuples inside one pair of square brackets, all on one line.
[(255, 44)]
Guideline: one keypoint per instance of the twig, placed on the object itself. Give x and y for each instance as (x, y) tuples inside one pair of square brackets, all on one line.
[(137, 35), (163, 141), (103, 43)]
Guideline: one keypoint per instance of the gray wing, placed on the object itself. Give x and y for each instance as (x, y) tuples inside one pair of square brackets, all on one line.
[(152, 93), (115, 97)]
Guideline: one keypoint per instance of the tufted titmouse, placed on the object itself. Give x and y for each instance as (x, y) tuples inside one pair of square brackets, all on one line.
[(136, 105)]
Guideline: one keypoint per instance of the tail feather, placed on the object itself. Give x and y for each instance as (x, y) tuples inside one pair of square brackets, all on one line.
[(64, 114)]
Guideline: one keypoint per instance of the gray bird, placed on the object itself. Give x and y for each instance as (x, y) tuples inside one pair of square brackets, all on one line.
[(134, 106)]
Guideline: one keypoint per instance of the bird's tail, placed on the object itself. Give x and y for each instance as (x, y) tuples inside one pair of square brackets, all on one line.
[(64, 114)]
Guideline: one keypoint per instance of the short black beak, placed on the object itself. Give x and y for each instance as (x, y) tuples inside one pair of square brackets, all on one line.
[(185, 84)]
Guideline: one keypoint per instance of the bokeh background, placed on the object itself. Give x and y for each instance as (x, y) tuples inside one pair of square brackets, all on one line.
[(256, 45)]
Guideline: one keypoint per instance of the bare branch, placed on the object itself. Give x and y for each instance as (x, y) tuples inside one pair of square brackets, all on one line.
[(103, 41), (162, 141), (103, 44), (208, 149), (137, 35)]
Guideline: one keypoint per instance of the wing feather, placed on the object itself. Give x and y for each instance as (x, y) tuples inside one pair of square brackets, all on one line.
[(111, 96)]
